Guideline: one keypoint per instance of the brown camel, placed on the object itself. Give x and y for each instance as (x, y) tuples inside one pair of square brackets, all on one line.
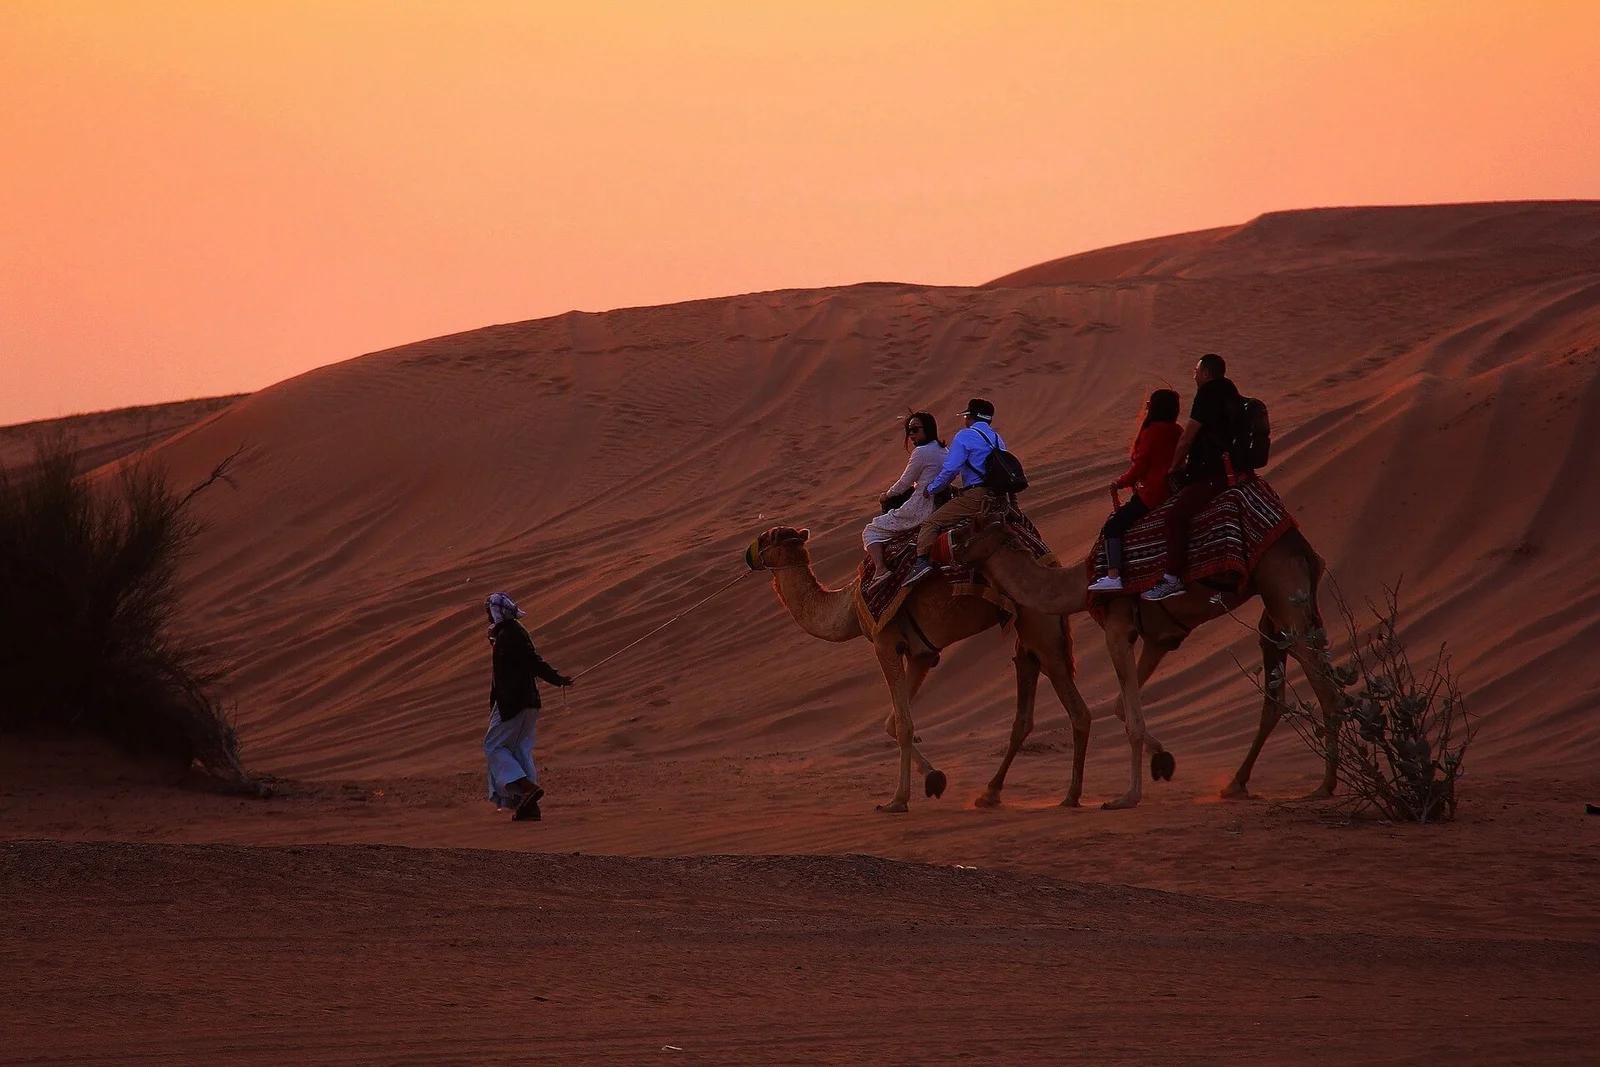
[(1286, 580), (929, 620)]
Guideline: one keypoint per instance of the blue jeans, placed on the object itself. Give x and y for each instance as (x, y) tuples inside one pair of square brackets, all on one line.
[(1117, 525)]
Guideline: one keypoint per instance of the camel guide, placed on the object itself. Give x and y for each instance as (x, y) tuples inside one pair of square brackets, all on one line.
[(514, 710)]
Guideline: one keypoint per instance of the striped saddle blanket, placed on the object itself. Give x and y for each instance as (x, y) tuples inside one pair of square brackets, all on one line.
[(878, 602), (1226, 541)]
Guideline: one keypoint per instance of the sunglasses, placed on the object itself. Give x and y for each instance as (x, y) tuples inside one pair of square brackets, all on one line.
[(915, 427)]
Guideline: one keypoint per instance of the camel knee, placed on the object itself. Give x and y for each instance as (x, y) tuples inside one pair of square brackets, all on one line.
[(903, 731), (1134, 727), (1021, 728)]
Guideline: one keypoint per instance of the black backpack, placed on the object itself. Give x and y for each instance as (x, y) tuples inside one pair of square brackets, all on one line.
[(1002, 472), (1252, 434)]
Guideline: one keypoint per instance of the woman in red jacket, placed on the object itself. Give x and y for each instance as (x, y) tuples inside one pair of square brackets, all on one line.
[(1151, 458)]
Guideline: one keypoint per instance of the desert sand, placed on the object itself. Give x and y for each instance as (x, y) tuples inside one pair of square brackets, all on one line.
[(711, 874)]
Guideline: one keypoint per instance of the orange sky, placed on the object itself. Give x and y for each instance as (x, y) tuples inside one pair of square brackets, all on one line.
[(211, 196)]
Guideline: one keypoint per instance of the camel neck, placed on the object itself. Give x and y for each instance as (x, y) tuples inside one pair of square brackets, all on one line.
[(826, 613), (1053, 590)]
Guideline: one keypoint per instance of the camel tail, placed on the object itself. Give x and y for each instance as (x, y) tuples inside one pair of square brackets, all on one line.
[(1315, 567)]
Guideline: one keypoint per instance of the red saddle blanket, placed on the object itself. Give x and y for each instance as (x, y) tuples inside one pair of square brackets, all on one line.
[(878, 602), (1226, 541)]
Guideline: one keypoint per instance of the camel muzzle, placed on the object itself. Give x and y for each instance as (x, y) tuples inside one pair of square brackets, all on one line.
[(750, 556)]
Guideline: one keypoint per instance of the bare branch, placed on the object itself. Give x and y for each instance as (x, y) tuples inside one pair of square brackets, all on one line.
[(1401, 739), (220, 473)]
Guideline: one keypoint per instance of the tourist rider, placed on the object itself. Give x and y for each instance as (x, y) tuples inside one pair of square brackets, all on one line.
[(514, 709), (1150, 460), (926, 460), (968, 452), (1198, 468)]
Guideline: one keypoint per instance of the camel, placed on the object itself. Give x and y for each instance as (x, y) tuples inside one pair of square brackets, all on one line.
[(1285, 578), (930, 619)]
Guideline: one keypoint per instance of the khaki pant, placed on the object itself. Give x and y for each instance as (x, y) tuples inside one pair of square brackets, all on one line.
[(964, 505)]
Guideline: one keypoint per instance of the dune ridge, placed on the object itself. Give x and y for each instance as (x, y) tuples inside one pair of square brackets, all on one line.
[(103, 437)]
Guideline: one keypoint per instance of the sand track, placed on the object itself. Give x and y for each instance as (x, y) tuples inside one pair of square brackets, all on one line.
[(380, 954)]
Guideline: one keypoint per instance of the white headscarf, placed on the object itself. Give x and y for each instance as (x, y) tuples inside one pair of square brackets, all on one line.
[(501, 608)]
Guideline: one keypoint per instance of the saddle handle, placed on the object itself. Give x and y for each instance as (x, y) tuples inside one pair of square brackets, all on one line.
[(1116, 499)]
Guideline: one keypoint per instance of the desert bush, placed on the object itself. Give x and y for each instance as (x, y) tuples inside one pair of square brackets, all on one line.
[(1402, 735), (88, 593)]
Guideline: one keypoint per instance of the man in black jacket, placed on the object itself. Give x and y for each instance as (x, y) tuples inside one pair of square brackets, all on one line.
[(514, 709), (1197, 465)]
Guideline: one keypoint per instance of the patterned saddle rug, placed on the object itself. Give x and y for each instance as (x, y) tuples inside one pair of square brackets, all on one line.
[(877, 603), (1226, 541)]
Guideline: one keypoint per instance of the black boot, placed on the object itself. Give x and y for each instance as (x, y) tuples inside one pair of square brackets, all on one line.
[(528, 807)]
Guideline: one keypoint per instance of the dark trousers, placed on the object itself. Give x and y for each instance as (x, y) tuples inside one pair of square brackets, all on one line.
[(1186, 504), (1118, 524)]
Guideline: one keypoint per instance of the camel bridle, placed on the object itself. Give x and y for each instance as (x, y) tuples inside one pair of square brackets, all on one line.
[(761, 558)]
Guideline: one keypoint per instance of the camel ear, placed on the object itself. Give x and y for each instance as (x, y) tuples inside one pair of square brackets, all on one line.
[(805, 535)]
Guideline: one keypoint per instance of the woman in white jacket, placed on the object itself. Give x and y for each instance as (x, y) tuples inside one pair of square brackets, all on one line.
[(927, 457)]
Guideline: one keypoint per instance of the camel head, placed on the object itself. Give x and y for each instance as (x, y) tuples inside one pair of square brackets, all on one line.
[(982, 541), (778, 547)]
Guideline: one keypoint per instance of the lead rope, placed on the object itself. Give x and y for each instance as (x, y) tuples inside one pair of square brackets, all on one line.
[(703, 600)]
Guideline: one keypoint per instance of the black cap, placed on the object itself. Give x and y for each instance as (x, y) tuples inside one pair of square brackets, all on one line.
[(979, 408)]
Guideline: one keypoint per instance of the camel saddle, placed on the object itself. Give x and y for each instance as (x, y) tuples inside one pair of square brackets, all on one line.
[(878, 603), (1226, 541)]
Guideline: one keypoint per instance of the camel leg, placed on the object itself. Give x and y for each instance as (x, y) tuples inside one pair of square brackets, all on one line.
[(1120, 639), (916, 673), (1045, 637), (899, 682), (1315, 663), (934, 779), (1150, 657), (1273, 663), (1292, 604), (1027, 689), (1059, 671)]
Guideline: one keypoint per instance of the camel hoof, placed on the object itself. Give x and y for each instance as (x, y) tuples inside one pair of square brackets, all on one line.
[(935, 783), (1070, 802), (1122, 803), (894, 807), (1162, 764), (987, 800), (1236, 791), (1322, 792)]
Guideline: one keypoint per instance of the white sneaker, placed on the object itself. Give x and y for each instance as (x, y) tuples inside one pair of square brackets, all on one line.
[(1107, 584), (1170, 585)]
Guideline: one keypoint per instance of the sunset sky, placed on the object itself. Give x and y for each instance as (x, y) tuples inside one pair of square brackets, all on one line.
[(208, 197)]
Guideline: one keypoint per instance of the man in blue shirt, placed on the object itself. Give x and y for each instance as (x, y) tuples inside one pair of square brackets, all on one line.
[(969, 450)]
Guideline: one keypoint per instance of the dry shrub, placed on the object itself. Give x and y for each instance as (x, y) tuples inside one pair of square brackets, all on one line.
[(1402, 736), (87, 641)]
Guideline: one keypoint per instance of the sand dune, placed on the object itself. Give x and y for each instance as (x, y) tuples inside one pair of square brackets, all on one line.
[(106, 436), (1431, 373)]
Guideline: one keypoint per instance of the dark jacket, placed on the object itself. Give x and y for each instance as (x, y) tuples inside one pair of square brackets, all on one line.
[(1216, 409), (516, 665)]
